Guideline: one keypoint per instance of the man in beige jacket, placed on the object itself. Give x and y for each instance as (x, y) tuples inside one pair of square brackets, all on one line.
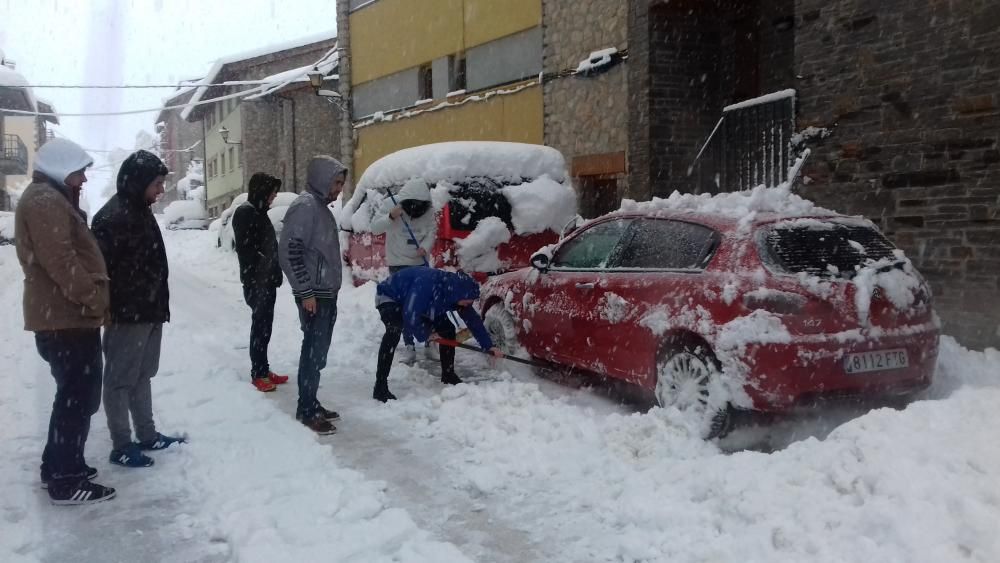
[(65, 304)]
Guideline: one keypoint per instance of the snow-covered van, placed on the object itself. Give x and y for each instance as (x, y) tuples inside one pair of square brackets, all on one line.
[(496, 203)]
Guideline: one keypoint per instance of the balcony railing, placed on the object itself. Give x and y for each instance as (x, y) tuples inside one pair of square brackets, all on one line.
[(751, 145), (14, 159)]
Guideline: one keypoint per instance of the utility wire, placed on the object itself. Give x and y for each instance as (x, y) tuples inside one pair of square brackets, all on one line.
[(127, 86), (130, 112)]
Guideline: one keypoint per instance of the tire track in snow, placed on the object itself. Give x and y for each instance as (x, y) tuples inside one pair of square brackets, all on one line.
[(372, 438)]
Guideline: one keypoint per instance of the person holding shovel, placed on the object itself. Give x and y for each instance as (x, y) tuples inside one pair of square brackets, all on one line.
[(409, 226), (419, 300)]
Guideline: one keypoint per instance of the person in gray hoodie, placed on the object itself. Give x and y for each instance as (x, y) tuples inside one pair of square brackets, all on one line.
[(309, 254)]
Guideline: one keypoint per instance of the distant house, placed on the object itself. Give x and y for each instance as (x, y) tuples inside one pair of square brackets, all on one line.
[(20, 135), (273, 125), (180, 142)]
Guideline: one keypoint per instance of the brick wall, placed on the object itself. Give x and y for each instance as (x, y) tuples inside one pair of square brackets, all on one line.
[(909, 89), (638, 186), (689, 59)]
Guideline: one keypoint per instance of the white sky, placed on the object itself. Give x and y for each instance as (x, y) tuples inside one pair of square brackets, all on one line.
[(137, 42)]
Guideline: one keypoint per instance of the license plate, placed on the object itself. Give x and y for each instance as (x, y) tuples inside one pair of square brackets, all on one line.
[(876, 360)]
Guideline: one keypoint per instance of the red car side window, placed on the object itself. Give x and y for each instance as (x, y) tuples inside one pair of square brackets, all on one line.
[(660, 244), (592, 248)]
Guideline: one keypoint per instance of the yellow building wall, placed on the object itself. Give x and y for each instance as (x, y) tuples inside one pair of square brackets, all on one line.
[(393, 35), (512, 117), (486, 20)]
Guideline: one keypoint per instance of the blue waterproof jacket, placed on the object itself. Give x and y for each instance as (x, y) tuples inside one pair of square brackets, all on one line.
[(425, 294)]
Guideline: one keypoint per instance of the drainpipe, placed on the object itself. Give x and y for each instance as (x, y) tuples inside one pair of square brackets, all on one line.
[(295, 160)]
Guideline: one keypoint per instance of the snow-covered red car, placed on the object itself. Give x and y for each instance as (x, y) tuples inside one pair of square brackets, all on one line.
[(497, 203), (756, 301)]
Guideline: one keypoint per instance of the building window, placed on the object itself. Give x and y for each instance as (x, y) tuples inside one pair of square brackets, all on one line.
[(223, 161), (457, 81), (232, 161), (426, 84), (239, 154)]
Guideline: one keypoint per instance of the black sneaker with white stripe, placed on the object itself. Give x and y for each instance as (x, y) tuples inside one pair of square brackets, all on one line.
[(84, 492)]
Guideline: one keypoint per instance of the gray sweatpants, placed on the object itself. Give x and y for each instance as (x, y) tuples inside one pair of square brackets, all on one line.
[(131, 358)]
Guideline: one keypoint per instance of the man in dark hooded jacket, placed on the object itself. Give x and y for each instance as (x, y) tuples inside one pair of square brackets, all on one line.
[(309, 252), (418, 300), (133, 249), (260, 272)]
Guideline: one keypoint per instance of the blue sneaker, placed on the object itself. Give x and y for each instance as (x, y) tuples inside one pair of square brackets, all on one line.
[(130, 456), (161, 442)]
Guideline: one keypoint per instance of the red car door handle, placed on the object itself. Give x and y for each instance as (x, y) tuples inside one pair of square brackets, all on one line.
[(587, 285)]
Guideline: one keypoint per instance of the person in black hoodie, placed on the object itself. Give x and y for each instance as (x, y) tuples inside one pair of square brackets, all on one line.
[(260, 272), (133, 249)]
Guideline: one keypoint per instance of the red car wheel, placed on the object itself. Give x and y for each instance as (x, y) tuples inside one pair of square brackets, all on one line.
[(502, 328), (684, 374)]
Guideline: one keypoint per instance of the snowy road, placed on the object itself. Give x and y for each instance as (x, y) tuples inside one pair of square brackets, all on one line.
[(510, 468)]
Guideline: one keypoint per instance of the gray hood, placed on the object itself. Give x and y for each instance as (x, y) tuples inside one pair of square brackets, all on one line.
[(320, 174)]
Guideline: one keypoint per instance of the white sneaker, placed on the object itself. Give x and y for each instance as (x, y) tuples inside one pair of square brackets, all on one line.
[(431, 351), (409, 355)]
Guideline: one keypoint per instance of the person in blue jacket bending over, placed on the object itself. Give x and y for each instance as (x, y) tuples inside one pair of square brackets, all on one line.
[(419, 300)]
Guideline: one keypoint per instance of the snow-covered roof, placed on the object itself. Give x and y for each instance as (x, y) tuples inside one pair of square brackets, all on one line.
[(279, 81), (15, 91), (463, 159), (251, 54), (45, 106)]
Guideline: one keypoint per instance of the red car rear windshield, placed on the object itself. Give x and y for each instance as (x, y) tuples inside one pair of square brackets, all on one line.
[(827, 249)]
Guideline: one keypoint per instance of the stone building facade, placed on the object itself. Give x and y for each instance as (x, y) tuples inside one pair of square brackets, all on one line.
[(276, 130), (286, 129), (908, 90), (586, 117), (283, 130)]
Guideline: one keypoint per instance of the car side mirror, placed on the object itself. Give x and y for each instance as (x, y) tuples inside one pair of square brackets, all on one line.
[(540, 261)]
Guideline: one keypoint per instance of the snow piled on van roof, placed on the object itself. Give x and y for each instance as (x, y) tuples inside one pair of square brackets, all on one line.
[(462, 159)]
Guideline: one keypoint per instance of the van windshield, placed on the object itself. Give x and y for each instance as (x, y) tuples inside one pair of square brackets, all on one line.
[(476, 199)]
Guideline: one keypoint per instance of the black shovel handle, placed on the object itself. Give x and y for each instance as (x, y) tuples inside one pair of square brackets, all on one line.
[(457, 344)]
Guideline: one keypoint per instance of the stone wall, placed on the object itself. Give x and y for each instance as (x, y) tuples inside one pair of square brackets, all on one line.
[(909, 90), (282, 131), (586, 118)]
